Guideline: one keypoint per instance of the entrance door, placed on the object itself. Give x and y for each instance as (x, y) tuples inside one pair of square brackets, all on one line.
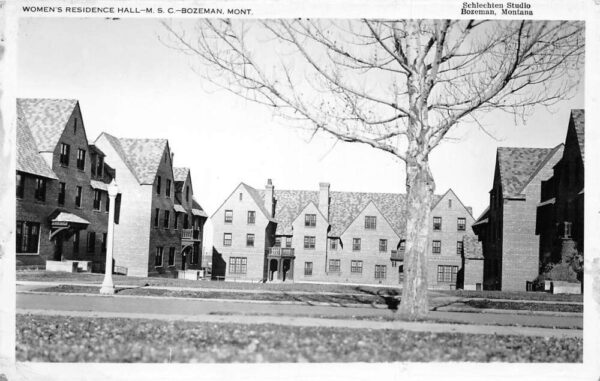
[(183, 259), (58, 247), (285, 269), (273, 265)]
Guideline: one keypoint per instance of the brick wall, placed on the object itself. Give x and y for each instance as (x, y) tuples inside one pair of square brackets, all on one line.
[(239, 228)]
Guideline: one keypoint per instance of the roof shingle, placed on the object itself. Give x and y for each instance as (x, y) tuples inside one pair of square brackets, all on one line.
[(517, 166), (28, 158), (578, 117), (46, 119)]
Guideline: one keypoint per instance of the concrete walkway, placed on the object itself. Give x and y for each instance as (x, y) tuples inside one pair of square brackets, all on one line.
[(323, 322)]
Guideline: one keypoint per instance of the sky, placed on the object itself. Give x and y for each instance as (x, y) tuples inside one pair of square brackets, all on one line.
[(129, 84)]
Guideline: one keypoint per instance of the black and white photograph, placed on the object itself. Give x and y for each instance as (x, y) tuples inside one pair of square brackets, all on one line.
[(212, 183)]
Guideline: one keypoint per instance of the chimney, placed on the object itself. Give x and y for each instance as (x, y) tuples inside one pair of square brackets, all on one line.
[(324, 199), (269, 197)]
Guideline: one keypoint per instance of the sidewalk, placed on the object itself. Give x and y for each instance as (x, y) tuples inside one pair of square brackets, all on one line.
[(322, 322)]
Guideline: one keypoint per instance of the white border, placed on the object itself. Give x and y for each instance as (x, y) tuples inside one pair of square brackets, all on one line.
[(588, 10)]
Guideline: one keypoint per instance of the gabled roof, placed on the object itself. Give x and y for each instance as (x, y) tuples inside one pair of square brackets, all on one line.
[(344, 208), (46, 119), (28, 158), (440, 198), (578, 118), (180, 173), (258, 200), (142, 156), (518, 165)]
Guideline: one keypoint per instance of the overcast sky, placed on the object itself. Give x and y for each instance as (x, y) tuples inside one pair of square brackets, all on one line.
[(131, 85)]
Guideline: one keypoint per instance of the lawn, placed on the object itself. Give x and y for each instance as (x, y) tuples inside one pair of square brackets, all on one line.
[(43, 276), (76, 339), (501, 305), (515, 295)]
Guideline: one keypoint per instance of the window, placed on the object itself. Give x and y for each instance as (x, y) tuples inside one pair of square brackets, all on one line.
[(437, 223), (447, 273), (74, 126), (309, 242), (334, 265), (449, 203), (175, 220), (20, 185), (461, 224), (288, 242), (187, 193), (355, 244), (166, 217), (308, 267), (158, 184), (382, 245), (459, 247), (100, 167), (380, 271), (356, 267), (65, 150), (370, 222), (40, 189), (186, 221), (241, 196), (226, 239), (94, 162), (104, 242), (310, 220), (171, 256), (402, 245), (277, 242), (28, 234), (91, 242), (62, 191), (250, 240), (251, 217), (78, 196), (81, 159), (107, 204), (436, 248), (333, 243), (76, 243), (97, 199), (168, 190), (158, 257), (228, 216), (156, 217), (237, 265)]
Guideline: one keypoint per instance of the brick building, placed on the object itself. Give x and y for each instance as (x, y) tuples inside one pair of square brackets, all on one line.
[(324, 236), (62, 199), (560, 213), (507, 227), (158, 223)]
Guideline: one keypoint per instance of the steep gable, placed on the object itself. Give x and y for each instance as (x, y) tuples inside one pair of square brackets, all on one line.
[(141, 156), (578, 123), (46, 119), (28, 159), (518, 165)]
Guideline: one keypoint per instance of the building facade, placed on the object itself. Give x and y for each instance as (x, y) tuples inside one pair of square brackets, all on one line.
[(507, 227), (560, 213), (154, 213), (325, 236), (62, 199)]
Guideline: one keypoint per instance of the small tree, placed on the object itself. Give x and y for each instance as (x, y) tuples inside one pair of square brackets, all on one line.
[(396, 85)]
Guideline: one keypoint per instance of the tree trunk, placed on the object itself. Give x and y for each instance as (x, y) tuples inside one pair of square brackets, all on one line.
[(419, 197)]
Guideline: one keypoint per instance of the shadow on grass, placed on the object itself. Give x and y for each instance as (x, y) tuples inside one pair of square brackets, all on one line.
[(390, 297), (120, 289)]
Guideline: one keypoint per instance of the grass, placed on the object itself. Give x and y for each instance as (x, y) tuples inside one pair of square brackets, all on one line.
[(77, 339), (486, 303), (208, 294), (43, 276), (515, 295)]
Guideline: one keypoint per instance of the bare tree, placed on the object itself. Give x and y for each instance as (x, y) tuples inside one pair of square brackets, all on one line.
[(396, 85)]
